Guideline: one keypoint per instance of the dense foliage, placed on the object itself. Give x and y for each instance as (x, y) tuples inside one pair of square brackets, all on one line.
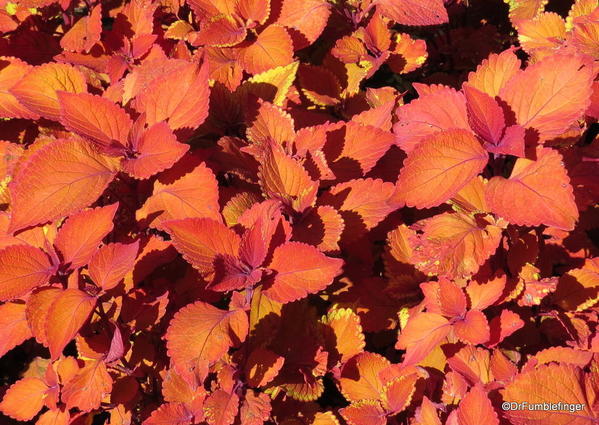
[(299, 212)]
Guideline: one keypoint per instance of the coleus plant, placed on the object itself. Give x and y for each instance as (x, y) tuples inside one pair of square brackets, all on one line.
[(299, 212)]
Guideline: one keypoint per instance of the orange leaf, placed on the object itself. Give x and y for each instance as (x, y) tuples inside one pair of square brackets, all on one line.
[(201, 332), (344, 333), (85, 33), (202, 240), (262, 366), (12, 70), (272, 48), (15, 328), (86, 390), (193, 195), (82, 233), (547, 31), (578, 289), (366, 412), (550, 95), (455, 245), (284, 178), (551, 383), (300, 270), (473, 329), (363, 146), (24, 399), (38, 306), (484, 114), (111, 263), (363, 203), (476, 408), (179, 98), (360, 377), (38, 89), (414, 12), (22, 268), (42, 191), (398, 393), (54, 417), (253, 10), (96, 118), (170, 414), (439, 167), (494, 72), (427, 413), (438, 111), (221, 407), (156, 149), (69, 311), (537, 192), (322, 227), (255, 409), (421, 334), (271, 124), (307, 19)]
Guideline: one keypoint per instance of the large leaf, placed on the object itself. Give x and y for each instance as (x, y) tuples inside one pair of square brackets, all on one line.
[(421, 334), (414, 12), (69, 311), (193, 195), (15, 328), (80, 236), (58, 179), (24, 399), (550, 95), (96, 118), (300, 270), (180, 98), (271, 49), (38, 90), (201, 332), (439, 167), (203, 240), (88, 387), (551, 383), (537, 192), (22, 268)]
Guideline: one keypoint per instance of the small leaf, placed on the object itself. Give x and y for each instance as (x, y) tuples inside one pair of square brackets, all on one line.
[(22, 268)]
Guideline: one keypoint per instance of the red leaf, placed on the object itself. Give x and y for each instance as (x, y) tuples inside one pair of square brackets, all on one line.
[(41, 191), (306, 20), (80, 236), (300, 270), (22, 268)]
